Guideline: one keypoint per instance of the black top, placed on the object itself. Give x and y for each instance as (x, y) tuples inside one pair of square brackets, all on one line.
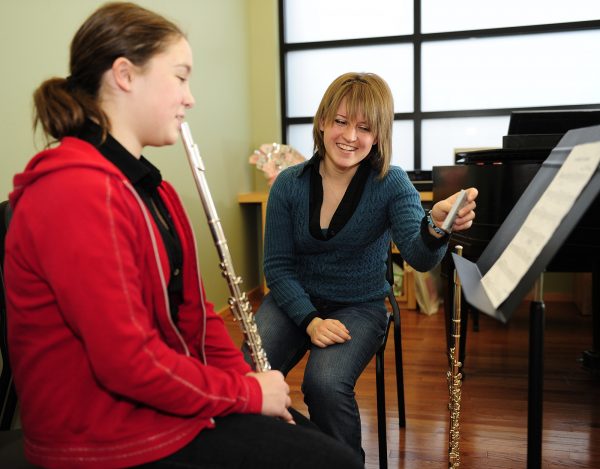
[(145, 178), (348, 203)]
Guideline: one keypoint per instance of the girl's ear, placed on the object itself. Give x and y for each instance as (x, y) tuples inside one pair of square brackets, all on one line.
[(122, 72), (321, 125)]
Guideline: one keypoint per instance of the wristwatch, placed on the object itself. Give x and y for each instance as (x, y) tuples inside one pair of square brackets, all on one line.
[(435, 228)]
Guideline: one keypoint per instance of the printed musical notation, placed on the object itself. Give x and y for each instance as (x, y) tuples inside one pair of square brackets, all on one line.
[(539, 226)]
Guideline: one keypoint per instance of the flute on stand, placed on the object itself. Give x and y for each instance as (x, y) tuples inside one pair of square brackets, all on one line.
[(455, 376), (238, 301)]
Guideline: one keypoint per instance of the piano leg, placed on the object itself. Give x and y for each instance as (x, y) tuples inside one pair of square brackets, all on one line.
[(536, 377), (591, 358), (475, 314)]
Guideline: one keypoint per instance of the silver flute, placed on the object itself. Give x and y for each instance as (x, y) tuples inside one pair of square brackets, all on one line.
[(238, 302), (454, 376)]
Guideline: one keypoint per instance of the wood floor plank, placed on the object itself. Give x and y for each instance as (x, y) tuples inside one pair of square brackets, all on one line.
[(493, 417)]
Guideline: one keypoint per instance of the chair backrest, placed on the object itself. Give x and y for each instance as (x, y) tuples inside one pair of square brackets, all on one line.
[(8, 397), (5, 213), (389, 273)]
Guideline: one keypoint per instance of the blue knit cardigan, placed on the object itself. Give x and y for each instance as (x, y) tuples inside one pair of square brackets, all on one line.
[(349, 267)]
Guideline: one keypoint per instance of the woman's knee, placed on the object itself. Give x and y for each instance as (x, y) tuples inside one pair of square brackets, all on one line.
[(327, 386), (283, 341)]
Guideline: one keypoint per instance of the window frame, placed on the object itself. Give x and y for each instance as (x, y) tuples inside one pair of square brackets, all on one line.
[(417, 116)]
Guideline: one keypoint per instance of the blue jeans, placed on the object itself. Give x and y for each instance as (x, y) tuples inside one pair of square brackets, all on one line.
[(331, 372)]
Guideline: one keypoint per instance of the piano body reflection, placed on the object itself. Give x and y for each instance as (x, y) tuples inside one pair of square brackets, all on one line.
[(501, 176)]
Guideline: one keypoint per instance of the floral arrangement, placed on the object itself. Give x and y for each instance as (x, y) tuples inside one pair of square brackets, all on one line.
[(272, 158)]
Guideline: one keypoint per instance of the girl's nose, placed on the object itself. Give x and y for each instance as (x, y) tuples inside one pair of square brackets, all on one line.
[(188, 100)]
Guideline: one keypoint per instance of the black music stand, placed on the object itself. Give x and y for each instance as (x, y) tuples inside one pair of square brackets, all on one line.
[(471, 273)]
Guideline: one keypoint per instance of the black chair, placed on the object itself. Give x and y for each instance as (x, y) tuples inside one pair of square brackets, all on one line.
[(11, 440), (8, 402), (393, 318)]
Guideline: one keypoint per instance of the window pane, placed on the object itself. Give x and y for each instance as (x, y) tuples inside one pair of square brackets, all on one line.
[(403, 147), (457, 15), (318, 20), (515, 71), (300, 137), (440, 137), (309, 73)]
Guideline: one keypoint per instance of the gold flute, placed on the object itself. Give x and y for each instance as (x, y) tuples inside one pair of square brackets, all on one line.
[(238, 302), (455, 377)]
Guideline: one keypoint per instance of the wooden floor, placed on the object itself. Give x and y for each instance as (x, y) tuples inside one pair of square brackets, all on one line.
[(493, 418)]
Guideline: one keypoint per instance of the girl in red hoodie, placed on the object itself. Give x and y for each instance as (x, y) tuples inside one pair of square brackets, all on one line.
[(118, 358)]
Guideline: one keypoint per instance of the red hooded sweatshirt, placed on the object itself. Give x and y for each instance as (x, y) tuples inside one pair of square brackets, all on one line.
[(104, 377)]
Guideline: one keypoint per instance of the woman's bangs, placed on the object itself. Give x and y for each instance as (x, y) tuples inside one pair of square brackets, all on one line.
[(359, 100)]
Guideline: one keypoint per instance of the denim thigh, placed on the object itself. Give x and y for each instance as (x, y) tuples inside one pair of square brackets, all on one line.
[(283, 341), (331, 373), (347, 361)]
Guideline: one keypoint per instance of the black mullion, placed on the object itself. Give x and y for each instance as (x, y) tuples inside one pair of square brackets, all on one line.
[(417, 118), (446, 35), (514, 30), (299, 120), (502, 111), (282, 71), (355, 42)]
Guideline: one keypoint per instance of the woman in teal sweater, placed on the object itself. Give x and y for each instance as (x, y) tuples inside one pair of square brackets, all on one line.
[(329, 225)]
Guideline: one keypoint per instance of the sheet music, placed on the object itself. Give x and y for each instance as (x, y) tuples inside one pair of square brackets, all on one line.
[(539, 226)]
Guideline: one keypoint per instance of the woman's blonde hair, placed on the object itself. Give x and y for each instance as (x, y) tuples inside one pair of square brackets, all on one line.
[(367, 94)]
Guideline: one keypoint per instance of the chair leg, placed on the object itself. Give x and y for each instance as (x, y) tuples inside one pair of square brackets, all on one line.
[(399, 362), (381, 420), (9, 406)]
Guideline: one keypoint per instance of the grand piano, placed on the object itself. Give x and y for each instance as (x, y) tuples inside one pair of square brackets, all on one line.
[(501, 176)]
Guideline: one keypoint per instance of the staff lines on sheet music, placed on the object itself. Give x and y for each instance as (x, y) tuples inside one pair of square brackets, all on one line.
[(540, 224)]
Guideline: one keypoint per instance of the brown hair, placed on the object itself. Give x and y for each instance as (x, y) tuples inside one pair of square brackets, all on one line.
[(367, 94), (61, 105)]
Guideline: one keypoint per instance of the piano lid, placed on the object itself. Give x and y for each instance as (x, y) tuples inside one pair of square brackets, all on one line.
[(551, 121), (532, 135)]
